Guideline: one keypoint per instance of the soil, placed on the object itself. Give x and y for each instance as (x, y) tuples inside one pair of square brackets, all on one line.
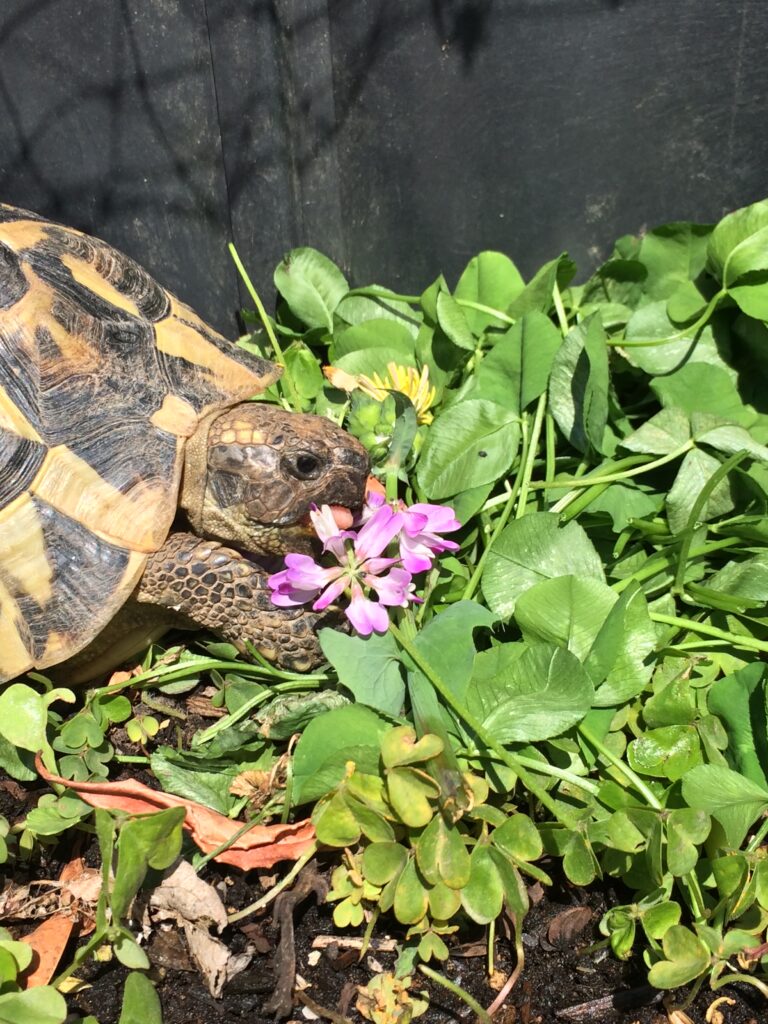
[(564, 980), (568, 975)]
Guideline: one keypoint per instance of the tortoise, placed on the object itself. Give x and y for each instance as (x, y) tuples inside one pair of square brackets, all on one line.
[(140, 489)]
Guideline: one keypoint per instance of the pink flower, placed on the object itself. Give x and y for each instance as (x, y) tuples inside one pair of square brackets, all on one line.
[(360, 562), (362, 566), (419, 542)]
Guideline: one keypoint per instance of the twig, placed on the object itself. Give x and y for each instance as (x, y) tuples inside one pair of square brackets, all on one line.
[(322, 1011)]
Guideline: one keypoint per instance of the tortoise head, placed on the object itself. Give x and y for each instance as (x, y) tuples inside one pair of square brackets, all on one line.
[(252, 474)]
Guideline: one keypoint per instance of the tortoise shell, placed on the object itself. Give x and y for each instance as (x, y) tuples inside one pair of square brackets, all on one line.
[(103, 376)]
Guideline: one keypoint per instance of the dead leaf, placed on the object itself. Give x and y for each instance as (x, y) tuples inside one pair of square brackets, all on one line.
[(565, 928), (214, 960), (260, 847), (714, 1014), (185, 897), (48, 942), (195, 906)]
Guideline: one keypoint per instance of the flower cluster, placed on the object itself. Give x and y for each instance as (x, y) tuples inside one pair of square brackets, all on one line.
[(362, 566)]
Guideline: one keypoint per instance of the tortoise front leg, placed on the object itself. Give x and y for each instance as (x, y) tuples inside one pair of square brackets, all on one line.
[(216, 588)]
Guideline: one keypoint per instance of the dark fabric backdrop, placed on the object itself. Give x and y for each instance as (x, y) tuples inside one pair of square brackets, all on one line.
[(399, 136)]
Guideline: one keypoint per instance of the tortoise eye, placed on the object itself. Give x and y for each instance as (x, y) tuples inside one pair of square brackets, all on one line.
[(305, 466)]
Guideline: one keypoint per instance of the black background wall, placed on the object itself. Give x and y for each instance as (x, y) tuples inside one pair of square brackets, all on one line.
[(399, 136)]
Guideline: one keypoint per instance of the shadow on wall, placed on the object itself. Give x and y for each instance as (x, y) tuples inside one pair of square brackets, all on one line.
[(399, 136)]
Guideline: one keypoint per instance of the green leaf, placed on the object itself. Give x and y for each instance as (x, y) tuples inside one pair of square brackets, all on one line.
[(703, 388), (335, 822), (541, 694), (531, 549), (537, 294), (451, 317), (696, 470), (141, 1003), (578, 385), (446, 642), (312, 285), (382, 341), (519, 838), (687, 958), (483, 895), (739, 700), (516, 370), (667, 753), (383, 861), (411, 899), (662, 434), (673, 255), (368, 667), (621, 652), (490, 279), (568, 611), (686, 829), (351, 733), (657, 920), (409, 791), (399, 746), (42, 1005), (23, 717), (129, 952), (733, 800), (442, 855), (470, 444), (305, 372), (739, 243), (150, 840)]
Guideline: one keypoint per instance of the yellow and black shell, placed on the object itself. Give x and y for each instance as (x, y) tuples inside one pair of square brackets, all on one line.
[(103, 376)]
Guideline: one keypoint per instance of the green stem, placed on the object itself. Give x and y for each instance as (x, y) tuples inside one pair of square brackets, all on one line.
[(530, 455), (612, 478), (757, 839), (686, 332), (696, 510), (501, 522), (481, 308), (260, 698), (664, 559), (750, 643), (267, 898), (477, 728), (383, 293), (456, 990), (634, 780), (562, 318), (246, 827), (287, 383)]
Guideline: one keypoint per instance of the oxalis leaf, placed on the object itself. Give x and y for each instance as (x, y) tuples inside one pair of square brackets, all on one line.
[(532, 549), (471, 443)]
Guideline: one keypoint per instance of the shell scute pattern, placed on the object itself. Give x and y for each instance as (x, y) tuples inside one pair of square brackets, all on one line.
[(103, 375)]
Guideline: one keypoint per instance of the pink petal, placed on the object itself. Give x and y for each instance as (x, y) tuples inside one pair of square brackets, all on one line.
[(365, 615), (327, 529), (373, 538), (329, 595), (394, 589), (439, 518)]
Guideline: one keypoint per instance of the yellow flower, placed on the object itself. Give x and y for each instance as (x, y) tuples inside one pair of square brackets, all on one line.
[(405, 379)]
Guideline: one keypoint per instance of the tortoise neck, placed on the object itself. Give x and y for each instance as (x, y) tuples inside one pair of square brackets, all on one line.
[(195, 473)]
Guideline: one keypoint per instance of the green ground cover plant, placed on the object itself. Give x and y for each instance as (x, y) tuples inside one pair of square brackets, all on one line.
[(581, 685)]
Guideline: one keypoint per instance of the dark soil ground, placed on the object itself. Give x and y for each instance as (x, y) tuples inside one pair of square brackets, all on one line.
[(563, 980), (568, 975)]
